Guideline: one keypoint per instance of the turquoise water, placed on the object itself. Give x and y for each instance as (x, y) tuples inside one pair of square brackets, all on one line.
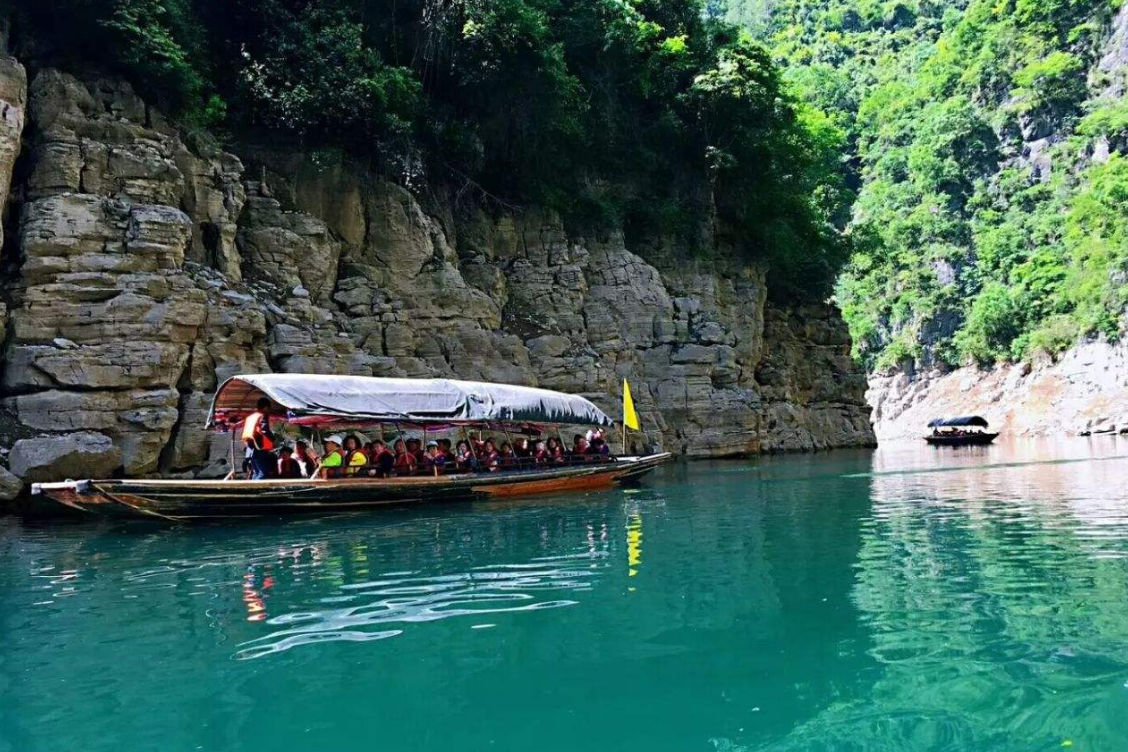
[(907, 599)]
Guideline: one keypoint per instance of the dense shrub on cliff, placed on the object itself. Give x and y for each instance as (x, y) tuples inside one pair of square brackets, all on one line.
[(984, 227), (647, 113)]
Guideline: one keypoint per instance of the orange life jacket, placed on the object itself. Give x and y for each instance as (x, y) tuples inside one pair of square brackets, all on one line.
[(252, 431)]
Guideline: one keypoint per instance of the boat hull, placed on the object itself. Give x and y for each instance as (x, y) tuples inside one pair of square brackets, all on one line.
[(202, 499), (971, 439)]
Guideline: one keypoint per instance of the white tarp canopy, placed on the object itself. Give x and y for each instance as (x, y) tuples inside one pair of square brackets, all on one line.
[(320, 398)]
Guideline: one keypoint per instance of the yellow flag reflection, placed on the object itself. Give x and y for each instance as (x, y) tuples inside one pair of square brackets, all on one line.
[(634, 543)]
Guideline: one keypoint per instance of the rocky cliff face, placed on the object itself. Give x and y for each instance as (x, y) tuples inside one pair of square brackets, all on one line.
[(144, 266), (1083, 391)]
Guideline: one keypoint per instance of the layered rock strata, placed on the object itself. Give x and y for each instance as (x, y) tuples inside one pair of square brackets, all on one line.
[(1084, 391), (149, 266)]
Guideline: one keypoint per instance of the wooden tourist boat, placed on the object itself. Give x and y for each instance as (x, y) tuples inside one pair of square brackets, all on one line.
[(960, 431), (357, 402)]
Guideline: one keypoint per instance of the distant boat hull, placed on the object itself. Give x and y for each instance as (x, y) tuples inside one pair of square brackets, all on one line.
[(202, 499), (970, 439)]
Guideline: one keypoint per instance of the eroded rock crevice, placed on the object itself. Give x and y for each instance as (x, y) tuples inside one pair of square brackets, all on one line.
[(154, 265)]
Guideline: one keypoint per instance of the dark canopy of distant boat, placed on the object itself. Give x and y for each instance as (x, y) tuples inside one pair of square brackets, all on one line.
[(322, 399), (958, 422)]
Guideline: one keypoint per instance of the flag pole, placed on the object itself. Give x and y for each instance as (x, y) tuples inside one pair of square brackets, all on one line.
[(624, 417)]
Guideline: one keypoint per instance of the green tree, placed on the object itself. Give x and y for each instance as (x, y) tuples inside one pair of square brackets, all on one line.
[(655, 115)]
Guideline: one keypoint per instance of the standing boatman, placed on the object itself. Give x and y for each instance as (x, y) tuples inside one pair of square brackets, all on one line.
[(259, 439)]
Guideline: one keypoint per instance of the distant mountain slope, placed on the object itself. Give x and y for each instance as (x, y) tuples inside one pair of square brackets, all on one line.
[(986, 144)]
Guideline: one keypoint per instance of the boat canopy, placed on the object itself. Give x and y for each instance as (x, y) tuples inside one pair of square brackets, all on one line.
[(313, 399), (958, 422)]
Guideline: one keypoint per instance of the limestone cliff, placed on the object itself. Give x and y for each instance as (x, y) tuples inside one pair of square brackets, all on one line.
[(1083, 391), (143, 266)]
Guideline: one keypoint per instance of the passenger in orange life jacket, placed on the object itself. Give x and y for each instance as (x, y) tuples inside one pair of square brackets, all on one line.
[(258, 438)]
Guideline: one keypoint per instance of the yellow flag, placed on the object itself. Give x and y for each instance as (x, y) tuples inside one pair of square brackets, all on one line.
[(630, 417)]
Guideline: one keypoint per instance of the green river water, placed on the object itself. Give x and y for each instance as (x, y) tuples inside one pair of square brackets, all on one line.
[(904, 599)]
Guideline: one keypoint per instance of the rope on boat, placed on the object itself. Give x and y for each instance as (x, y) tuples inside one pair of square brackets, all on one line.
[(134, 507)]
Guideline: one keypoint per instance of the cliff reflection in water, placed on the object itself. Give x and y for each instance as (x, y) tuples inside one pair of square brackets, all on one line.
[(908, 599), (994, 586), (688, 600)]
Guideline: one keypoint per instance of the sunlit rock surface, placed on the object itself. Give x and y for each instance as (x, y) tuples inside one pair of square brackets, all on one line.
[(153, 266), (1084, 391)]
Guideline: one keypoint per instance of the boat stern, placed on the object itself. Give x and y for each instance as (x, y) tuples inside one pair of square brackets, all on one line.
[(636, 467), (80, 495)]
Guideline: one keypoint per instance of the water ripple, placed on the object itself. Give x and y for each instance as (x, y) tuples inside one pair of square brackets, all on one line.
[(390, 601)]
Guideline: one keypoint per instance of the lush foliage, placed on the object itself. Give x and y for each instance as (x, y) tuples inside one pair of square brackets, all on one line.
[(653, 114), (988, 220)]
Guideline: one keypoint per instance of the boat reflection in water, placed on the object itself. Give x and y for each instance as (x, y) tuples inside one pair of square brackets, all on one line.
[(995, 590), (898, 600)]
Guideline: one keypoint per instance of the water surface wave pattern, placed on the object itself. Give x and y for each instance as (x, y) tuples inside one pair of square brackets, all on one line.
[(905, 599)]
